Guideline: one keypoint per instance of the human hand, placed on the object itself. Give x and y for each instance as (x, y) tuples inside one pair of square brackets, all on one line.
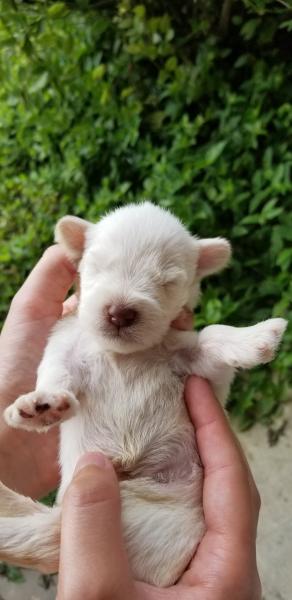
[(224, 566), (184, 320), (28, 461)]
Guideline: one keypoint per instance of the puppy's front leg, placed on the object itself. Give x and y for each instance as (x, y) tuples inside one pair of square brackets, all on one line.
[(218, 350), (222, 349), (54, 398), (242, 347)]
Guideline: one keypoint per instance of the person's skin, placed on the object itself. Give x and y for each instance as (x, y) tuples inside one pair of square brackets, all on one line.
[(224, 567), (33, 312)]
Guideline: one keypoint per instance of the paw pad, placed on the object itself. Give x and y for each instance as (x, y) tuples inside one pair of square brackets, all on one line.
[(266, 352), (39, 410)]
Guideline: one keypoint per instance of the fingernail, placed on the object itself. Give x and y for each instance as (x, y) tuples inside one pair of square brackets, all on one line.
[(92, 458)]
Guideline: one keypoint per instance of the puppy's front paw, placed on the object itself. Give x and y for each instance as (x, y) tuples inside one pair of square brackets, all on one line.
[(270, 335), (258, 344), (38, 410)]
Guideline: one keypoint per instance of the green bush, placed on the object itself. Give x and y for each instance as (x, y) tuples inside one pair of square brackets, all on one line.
[(185, 103)]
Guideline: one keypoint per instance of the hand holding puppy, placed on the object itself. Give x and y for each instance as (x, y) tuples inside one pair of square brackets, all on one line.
[(37, 306), (225, 563)]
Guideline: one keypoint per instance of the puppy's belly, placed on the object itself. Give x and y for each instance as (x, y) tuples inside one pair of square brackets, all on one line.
[(162, 514), (148, 436), (164, 452), (162, 526), (142, 425)]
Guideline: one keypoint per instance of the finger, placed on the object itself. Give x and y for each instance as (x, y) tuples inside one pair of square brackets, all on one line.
[(213, 431), (47, 285), (184, 321), (33, 312), (70, 305), (145, 591), (253, 487), (91, 535), (224, 466), (227, 499), (207, 414)]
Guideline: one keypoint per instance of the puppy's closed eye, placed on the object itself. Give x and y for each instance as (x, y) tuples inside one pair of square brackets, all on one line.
[(173, 277)]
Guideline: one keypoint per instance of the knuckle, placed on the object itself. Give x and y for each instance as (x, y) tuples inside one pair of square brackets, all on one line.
[(90, 590), (103, 591), (87, 489), (239, 588), (50, 252), (241, 582), (257, 499), (56, 257), (258, 591)]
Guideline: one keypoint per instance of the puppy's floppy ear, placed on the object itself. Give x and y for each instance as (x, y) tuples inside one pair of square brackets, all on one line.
[(214, 254), (70, 232)]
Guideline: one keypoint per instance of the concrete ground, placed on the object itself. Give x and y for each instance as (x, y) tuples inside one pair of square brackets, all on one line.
[(272, 469)]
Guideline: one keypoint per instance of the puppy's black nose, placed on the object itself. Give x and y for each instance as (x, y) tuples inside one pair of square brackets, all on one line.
[(121, 316)]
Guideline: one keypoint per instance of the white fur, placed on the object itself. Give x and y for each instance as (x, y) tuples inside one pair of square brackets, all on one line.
[(121, 390)]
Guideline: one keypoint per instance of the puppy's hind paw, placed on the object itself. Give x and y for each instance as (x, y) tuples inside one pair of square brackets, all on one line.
[(38, 410)]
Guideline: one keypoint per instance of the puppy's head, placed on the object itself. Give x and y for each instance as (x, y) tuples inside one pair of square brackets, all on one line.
[(138, 268)]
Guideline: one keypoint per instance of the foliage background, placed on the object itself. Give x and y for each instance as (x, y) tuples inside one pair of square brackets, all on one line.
[(186, 103)]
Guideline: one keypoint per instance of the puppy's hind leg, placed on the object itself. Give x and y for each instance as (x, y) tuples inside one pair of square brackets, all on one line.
[(29, 532), (16, 505), (32, 540)]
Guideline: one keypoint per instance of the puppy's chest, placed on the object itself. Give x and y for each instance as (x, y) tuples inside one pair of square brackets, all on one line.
[(132, 411)]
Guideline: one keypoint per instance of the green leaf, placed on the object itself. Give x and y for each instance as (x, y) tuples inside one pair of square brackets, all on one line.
[(214, 152), (39, 83), (140, 11), (57, 9), (13, 574), (286, 25), (249, 28), (98, 72), (213, 311), (285, 258)]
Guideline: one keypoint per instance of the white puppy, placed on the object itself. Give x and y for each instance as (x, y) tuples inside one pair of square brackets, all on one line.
[(113, 376)]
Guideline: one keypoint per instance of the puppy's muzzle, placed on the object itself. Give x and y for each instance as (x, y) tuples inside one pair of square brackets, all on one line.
[(121, 316)]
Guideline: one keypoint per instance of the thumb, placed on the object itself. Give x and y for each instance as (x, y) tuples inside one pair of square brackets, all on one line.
[(93, 562)]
